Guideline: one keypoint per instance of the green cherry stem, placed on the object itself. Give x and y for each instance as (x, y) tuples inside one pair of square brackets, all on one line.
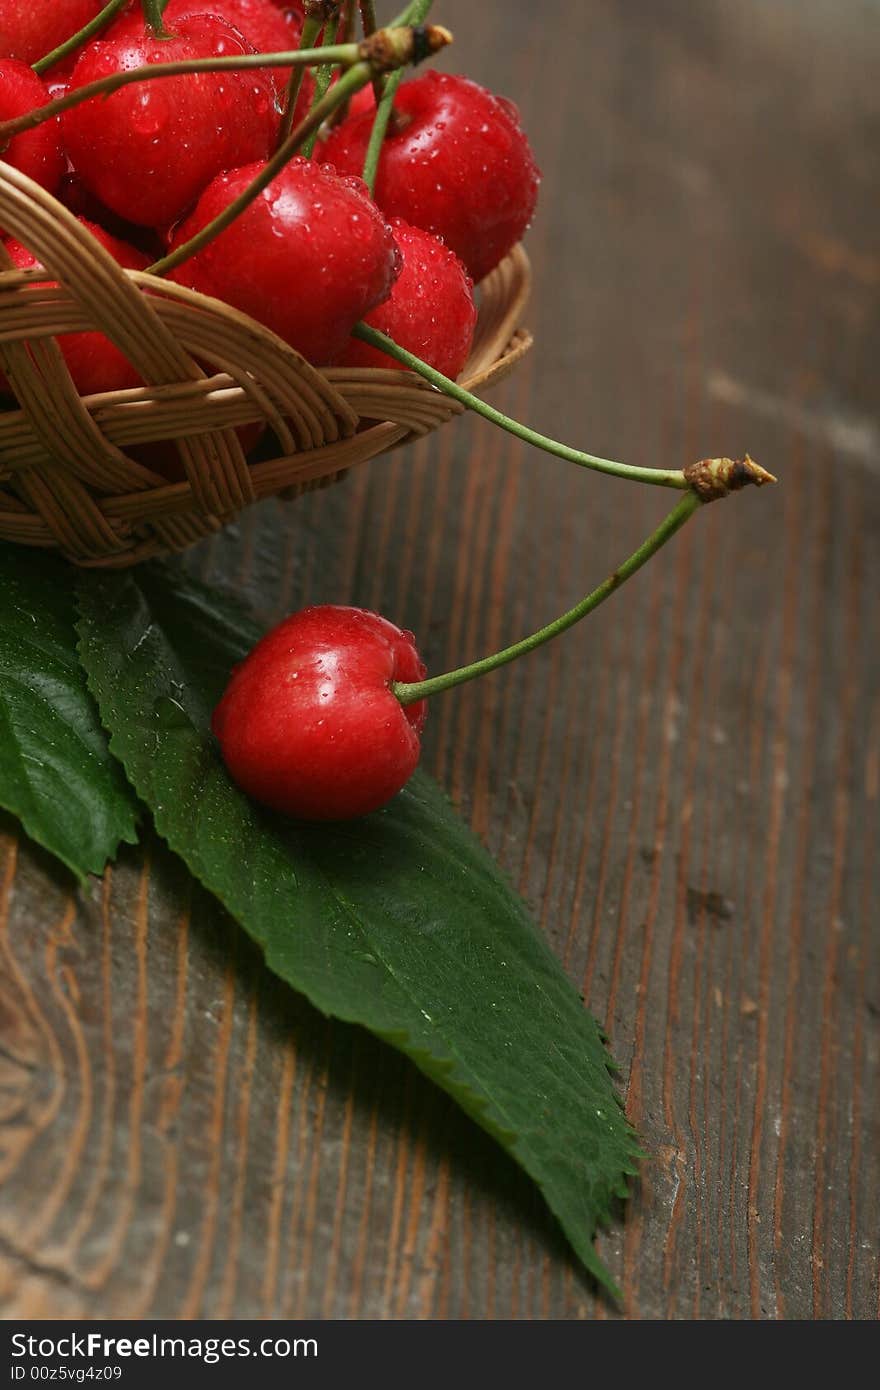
[(408, 692), (417, 14), (711, 479), (368, 25), (384, 108), (349, 19), (322, 84), (82, 36), (405, 17), (349, 24), (310, 31), (661, 477), (368, 16), (153, 17)]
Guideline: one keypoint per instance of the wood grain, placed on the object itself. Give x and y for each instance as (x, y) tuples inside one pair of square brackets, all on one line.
[(686, 789)]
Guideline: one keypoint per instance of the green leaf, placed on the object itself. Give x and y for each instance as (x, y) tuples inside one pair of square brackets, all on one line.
[(56, 770), (400, 922)]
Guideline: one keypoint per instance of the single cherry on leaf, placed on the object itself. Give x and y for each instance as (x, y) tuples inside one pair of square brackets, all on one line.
[(309, 724), (308, 258), (149, 149), (36, 152), (454, 161)]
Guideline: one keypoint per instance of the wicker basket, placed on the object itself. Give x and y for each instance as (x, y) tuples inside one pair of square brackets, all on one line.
[(65, 479)]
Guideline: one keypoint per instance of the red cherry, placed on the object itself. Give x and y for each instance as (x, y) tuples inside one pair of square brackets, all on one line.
[(267, 29), (148, 150), (29, 29), (364, 99), (291, 7), (255, 18), (163, 456), (309, 257), (457, 163), (36, 152), (430, 310), (93, 361), (309, 724)]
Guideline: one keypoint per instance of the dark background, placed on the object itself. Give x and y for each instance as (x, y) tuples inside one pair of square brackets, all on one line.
[(686, 788)]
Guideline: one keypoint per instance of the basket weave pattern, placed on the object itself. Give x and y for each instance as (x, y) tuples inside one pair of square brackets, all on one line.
[(66, 481)]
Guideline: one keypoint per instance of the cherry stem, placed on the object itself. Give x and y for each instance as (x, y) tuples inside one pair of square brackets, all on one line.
[(416, 15), (368, 16), (661, 477), (311, 30), (409, 692), (368, 25), (88, 31), (379, 128), (153, 18), (322, 83), (348, 18), (348, 28)]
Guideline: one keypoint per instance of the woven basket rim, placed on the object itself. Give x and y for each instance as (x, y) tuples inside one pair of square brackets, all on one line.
[(68, 478)]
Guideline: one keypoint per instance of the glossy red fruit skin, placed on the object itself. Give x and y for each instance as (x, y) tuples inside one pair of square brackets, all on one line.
[(29, 29), (37, 152), (309, 257), (291, 7), (309, 724), (258, 20), (94, 363), (430, 310), (458, 164), (364, 99), (267, 28), (148, 150)]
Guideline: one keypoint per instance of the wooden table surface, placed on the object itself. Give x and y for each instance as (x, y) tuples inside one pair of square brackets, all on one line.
[(686, 788)]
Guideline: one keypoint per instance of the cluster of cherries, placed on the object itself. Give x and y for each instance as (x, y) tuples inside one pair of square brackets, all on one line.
[(200, 171), (149, 166), (310, 724), (323, 718)]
